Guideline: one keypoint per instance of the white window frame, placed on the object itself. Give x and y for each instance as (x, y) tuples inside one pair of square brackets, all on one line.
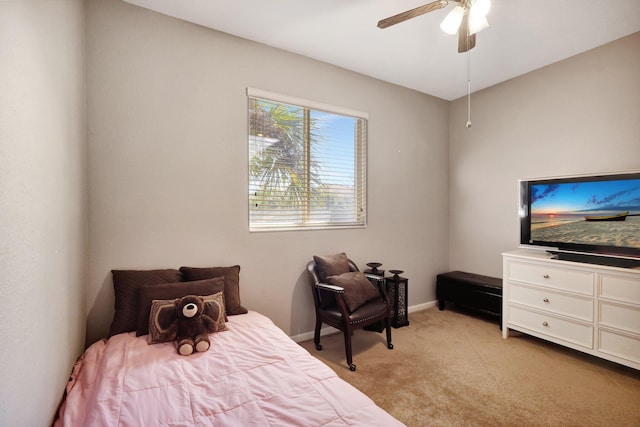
[(359, 190)]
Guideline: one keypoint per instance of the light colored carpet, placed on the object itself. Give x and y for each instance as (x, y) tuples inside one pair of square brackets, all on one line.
[(451, 368)]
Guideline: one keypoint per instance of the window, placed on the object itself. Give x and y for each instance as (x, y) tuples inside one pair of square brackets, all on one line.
[(307, 164)]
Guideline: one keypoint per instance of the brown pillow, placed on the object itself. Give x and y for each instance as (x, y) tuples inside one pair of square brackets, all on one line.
[(167, 291), (231, 284), (357, 288), (163, 312), (331, 265), (126, 285)]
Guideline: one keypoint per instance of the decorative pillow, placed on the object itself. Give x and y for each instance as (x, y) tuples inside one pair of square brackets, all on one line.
[(167, 291), (231, 284), (163, 312), (214, 307), (357, 288), (126, 284), (331, 265)]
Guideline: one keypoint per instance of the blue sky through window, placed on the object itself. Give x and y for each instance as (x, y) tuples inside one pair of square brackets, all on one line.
[(337, 134)]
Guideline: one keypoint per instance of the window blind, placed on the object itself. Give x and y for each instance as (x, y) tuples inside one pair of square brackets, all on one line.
[(307, 164)]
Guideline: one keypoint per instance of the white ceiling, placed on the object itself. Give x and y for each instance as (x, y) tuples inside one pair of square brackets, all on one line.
[(524, 35)]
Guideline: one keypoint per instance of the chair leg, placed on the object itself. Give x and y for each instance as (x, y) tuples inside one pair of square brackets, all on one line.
[(316, 335), (387, 324), (347, 345)]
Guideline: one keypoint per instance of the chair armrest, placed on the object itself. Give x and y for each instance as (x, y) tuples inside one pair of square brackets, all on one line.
[(379, 282), (337, 293), (331, 288)]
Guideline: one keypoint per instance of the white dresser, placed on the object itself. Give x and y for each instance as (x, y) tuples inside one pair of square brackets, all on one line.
[(591, 308)]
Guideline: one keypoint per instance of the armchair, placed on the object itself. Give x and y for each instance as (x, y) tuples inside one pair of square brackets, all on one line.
[(333, 309)]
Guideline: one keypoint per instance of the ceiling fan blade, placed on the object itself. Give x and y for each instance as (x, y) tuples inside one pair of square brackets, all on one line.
[(466, 41), (420, 10)]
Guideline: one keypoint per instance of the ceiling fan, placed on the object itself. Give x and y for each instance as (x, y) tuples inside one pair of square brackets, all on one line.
[(467, 18)]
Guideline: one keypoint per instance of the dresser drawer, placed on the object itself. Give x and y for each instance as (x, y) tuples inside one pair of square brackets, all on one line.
[(564, 279), (573, 332), (620, 288), (619, 316), (544, 299), (619, 345)]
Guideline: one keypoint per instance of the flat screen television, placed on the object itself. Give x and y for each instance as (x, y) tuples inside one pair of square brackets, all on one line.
[(594, 218)]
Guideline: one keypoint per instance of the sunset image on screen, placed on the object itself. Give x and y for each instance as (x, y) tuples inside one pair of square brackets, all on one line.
[(602, 212)]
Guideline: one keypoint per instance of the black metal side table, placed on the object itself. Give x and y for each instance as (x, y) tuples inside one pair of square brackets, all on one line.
[(397, 291), (374, 269)]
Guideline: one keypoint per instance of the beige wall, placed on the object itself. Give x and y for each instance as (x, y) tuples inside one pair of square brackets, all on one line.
[(167, 154), (577, 116), (43, 198)]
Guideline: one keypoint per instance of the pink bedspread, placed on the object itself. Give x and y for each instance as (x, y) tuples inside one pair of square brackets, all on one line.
[(253, 375)]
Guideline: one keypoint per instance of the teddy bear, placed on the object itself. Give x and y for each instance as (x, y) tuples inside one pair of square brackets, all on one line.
[(192, 327)]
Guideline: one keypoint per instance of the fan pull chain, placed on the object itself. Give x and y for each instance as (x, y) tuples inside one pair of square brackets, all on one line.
[(468, 83)]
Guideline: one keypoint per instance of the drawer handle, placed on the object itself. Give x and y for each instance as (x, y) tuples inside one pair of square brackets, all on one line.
[(545, 324), (546, 276), (546, 300)]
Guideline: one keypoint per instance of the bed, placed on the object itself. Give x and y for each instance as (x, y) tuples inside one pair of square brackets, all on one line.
[(253, 375)]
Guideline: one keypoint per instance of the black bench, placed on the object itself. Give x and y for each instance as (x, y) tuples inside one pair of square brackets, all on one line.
[(473, 291)]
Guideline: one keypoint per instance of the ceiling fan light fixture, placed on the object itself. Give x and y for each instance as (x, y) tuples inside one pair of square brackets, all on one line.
[(477, 24), (451, 22), (480, 8)]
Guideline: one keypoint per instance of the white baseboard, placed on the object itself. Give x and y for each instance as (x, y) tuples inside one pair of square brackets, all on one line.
[(330, 330), (327, 330), (423, 306)]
